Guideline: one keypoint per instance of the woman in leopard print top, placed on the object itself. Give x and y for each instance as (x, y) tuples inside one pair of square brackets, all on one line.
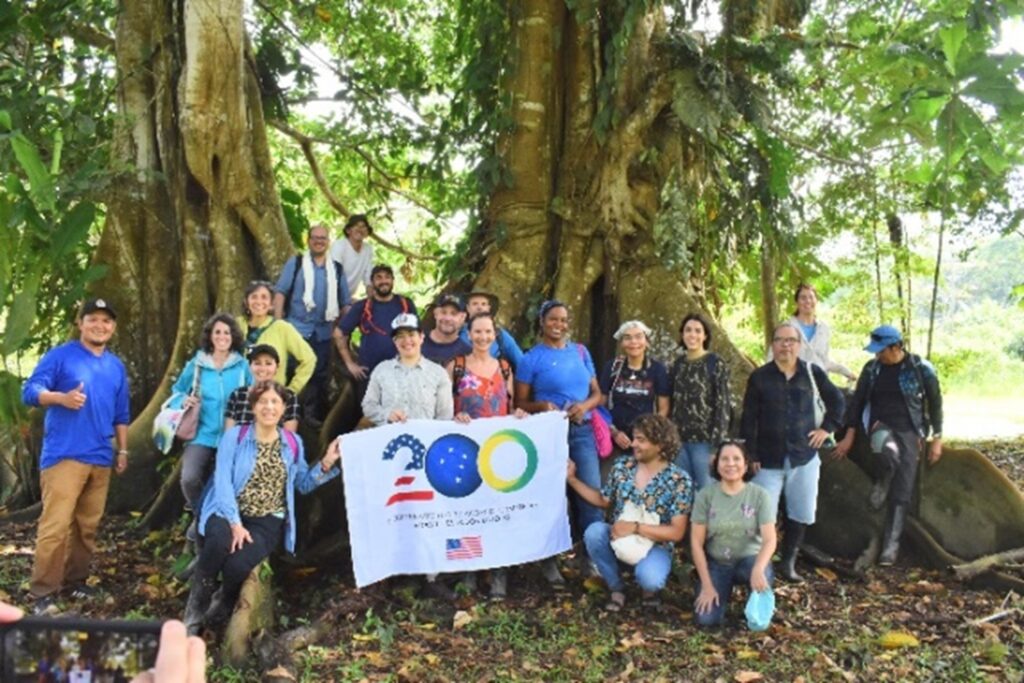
[(250, 503)]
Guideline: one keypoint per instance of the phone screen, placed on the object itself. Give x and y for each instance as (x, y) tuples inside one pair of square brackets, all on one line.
[(64, 650)]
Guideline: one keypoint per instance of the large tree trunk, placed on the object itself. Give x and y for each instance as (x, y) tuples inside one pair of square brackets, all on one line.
[(195, 212)]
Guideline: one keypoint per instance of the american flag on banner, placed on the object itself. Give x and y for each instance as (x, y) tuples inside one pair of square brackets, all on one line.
[(465, 548)]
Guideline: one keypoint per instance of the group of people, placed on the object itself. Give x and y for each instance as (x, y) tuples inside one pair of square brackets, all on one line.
[(674, 466)]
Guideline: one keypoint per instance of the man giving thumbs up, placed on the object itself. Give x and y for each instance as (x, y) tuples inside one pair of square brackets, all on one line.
[(84, 388)]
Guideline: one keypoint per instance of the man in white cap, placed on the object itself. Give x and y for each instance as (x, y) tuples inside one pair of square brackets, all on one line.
[(408, 386), (84, 388), (897, 403)]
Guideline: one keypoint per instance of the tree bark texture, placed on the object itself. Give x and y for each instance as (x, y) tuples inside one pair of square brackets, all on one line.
[(195, 213)]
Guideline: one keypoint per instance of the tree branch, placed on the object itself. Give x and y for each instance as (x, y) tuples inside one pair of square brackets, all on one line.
[(807, 147), (90, 35), (306, 145)]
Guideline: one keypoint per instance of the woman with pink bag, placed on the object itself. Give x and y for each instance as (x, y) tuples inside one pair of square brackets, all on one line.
[(558, 374)]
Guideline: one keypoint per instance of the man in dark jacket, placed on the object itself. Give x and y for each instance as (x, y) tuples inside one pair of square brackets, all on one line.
[(789, 410), (897, 403)]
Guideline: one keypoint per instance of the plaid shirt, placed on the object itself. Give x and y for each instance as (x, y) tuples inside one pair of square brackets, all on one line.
[(238, 407)]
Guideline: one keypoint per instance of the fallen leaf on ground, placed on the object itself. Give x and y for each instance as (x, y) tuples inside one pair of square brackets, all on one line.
[(462, 619), (826, 573), (747, 677), (893, 640)]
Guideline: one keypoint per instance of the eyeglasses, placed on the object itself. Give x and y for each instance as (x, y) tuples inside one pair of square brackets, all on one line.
[(261, 283), (786, 341)]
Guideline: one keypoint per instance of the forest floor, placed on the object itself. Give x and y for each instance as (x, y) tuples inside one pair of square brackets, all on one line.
[(829, 628)]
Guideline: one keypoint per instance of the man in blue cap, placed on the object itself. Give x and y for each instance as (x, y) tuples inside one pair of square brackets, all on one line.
[(897, 403)]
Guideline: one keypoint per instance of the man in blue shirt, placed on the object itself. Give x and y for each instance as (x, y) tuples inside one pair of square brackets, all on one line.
[(372, 316), (789, 410), (85, 390), (504, 345), (310, 294)]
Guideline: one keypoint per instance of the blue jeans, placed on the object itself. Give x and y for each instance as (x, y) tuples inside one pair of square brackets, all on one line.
[(723, 578), (800, 484), (695, 458), (583, 452), (651, 572)]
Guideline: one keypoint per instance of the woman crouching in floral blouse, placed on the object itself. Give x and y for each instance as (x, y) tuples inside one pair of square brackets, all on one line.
[(650, 500)]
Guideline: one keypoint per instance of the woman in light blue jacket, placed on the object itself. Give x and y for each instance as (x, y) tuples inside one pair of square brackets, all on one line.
[(249, 505), (207, 381)]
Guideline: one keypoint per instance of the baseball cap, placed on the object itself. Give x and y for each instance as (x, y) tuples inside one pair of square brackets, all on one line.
[(405, 321), (883, 337), (450, 300), (264, 350), (97, 305)]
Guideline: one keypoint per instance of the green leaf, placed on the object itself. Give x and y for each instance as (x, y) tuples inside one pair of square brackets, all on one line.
[(38, 177), (20, 319), (952, 38), (73, 230), (5, 119)]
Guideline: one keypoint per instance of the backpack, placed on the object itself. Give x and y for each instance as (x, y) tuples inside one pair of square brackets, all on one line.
[(288, 437), (338, 272), (366, 324)]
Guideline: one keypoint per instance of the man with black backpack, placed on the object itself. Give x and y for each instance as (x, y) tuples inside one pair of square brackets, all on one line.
[(310, 294), (897, 403)]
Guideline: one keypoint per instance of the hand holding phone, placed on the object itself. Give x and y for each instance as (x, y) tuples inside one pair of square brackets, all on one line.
[(34, 646)]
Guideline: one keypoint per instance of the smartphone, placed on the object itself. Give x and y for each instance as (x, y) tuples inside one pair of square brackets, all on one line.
[(71, 650)]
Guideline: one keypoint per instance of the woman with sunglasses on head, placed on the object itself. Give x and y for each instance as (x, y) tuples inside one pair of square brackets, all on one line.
[(205, 383), (701, 398), (558, 374), (732, 534), (261, 327)]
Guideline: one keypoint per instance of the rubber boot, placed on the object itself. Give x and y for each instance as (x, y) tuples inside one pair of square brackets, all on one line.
[(880, 489), (893, 533), (198, 601), (792, 538)]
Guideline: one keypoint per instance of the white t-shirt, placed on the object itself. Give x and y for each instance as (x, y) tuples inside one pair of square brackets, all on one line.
[(356, 264)]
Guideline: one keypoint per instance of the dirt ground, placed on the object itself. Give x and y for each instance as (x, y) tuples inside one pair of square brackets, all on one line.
[(897, 624)]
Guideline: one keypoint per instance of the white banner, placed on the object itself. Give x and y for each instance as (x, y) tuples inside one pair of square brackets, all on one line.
[(433, 496)]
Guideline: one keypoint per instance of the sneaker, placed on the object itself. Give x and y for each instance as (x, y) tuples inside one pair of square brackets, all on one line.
[(45, 606), (83, 592)]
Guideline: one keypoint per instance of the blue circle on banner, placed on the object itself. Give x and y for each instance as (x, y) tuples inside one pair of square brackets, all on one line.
[(451, 466)]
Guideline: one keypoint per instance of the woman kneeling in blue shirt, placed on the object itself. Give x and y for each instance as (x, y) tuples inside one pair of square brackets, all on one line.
[(250, 503)]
